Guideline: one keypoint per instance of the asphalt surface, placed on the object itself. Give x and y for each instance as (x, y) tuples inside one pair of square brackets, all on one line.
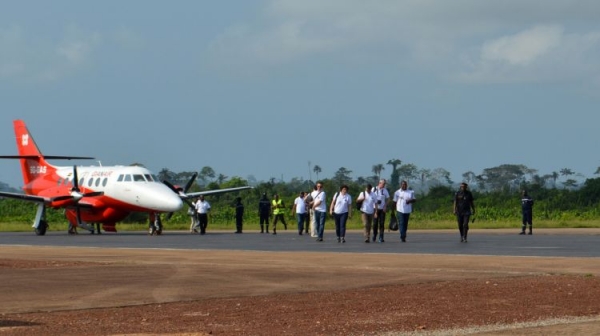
[(543, 243)]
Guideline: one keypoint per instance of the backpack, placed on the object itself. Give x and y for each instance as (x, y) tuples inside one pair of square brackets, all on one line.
[(359, 203)]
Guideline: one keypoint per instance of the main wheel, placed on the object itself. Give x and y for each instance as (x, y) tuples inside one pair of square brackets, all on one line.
[(41, 229)]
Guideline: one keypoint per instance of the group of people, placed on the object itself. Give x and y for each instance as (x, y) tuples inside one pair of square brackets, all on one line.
[(310, 210)]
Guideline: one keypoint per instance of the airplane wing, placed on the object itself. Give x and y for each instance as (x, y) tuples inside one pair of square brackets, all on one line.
[(212, 192), (30, 198)]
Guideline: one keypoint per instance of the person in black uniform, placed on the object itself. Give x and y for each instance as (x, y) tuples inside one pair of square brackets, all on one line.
[(527, 211), (264, 212), (239, 215), (464, 207)]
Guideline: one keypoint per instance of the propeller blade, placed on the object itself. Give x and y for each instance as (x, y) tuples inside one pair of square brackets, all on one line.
[(171, 186), (61, 198), (93, 193), (75, 180), (189, 183)]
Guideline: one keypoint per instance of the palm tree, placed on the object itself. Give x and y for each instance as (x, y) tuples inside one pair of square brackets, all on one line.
[(395, 177), (377, 170), (317, 170)]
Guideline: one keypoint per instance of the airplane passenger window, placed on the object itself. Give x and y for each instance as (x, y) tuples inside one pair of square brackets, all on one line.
[(120, 179), (138, 178), (104, 182), (81, 181), (59, 182), (127, 178), (90, 182), (97, 182)]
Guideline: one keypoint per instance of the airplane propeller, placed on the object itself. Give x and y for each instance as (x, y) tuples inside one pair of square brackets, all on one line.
[(76, 195), (187, 187)]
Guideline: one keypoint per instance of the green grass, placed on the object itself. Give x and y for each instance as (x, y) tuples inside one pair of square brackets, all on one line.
[(353, 224)]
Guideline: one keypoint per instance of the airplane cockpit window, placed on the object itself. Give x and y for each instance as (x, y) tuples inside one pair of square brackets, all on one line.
[(148, 177), (104, 181), (97, 182), (138, 178), (127, 178), (120, 179), (90, 182)]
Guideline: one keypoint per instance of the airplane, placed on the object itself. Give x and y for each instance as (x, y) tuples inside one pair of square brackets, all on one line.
[(95, 194)]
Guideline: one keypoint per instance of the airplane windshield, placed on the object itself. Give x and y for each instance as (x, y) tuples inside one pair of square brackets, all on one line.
[(148, 177), (138, 178)]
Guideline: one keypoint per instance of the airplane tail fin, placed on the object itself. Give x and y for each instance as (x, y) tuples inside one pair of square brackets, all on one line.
[(32, 160), (33, 163)]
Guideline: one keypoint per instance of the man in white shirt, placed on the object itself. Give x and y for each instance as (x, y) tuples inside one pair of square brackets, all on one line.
[(320, 210), (202, 207), (299, 209), (404, 199), (367, 209), (382, 196)]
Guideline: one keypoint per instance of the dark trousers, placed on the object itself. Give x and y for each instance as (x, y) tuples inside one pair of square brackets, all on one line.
[(301, 217), (403, 223), (463, 224), (279, 217), (203, 222), (264, 219), (238, 224), (340, 224), (527, 220), (379, 224)]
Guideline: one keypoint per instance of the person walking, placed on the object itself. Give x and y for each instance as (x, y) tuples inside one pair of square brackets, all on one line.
[(202, 207), (381, 198), (299, 209), (320, 210), (310, 201), (404, 199), (193, 218), (464, 207), (527, 212), (264, 212), (341, 210), (278, 212), (367, 209), (239, 215)]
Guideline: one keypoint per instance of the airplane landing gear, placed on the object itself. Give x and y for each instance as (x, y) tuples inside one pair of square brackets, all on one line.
[(40, 230), (155, 227)]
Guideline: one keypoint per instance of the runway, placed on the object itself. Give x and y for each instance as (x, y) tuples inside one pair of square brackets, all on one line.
[(544, 242)]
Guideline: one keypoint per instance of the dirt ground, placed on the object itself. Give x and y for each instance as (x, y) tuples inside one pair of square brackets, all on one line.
[(91, 291)]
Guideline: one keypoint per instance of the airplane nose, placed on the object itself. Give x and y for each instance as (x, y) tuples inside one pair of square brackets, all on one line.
[(171, 203)]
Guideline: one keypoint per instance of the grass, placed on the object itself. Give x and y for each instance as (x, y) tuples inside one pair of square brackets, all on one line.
[(353, 224)]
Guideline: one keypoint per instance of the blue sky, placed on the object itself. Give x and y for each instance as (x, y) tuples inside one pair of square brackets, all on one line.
[(263, 87)]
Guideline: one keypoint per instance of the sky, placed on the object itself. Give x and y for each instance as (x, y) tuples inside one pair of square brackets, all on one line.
[(273, 88)]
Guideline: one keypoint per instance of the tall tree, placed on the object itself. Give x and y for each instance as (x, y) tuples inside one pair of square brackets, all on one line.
[(166, 175), (395, 177), (342, 176), (407, 172), (317, 170), (206, 173), (377, 169)]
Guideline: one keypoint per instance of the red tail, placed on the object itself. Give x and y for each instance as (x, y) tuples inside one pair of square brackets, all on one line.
[(33, 163)]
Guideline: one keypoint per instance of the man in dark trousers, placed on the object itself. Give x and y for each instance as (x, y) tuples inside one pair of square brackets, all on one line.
[(527, 211), (264, 212), (239, 215), (464, 207)]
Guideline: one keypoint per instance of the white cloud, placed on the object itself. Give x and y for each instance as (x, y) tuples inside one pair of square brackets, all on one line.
[(29, 58), (465, 40), (538, 54)]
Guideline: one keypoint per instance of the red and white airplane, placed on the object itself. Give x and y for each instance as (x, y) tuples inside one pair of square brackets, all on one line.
[(95, 194)]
